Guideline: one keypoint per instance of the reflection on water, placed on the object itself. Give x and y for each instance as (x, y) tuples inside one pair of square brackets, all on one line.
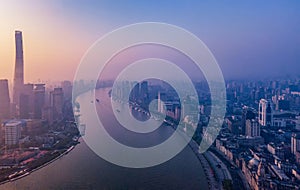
[(82, 169)]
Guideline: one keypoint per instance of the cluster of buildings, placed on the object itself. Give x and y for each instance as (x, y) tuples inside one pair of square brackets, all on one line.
[(168, 102), (28, 103), (261, 131), (261, 134)]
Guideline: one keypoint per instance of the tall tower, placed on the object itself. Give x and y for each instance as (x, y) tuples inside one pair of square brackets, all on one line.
[(19, 68)]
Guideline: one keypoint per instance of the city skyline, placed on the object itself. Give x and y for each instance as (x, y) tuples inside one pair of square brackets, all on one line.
[(246, 39), (149, 95)]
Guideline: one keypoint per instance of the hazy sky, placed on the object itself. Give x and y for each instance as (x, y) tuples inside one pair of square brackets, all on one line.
[(253, 39)]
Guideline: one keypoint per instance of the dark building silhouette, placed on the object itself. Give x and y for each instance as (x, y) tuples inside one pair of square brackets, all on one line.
[(67, 89), (248, 114), (283, 105), (26, 105), (144, 94), (134, 96), (57, 102), (269, 115), (39, 100), (4, 100)]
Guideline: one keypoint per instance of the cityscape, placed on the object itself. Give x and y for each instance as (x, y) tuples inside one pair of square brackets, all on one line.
[(258, 145), (37, 126), (54, 126)]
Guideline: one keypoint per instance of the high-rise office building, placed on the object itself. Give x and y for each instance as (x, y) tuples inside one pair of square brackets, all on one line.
[(161, 98), (57, 102), (67, 88), (252, 128), (4, 100), (144, 89), (12, 132), (135, 92), (295, 143), (248, 113), (26, 104), (265, 113), (144, 94), (39, 92), (47, 114), (19, 69)]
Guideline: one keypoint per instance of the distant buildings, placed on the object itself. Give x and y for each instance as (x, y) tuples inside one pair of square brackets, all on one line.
[(234, 124), (67, 89), (160, 102), (57, 102), (135, 91), (144, 94), (26, 106), (248, 114), (39, 100), (29, 100)]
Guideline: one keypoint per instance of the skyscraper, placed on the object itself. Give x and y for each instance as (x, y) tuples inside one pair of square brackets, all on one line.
[(26, 102), (144, 94), (248, 113), (295, 143), (252, 128), (39, 100), (265, 113), (19, 68), (4, 100), (56, 102)]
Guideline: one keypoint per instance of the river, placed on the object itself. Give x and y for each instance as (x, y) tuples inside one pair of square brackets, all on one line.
[(83, 169)]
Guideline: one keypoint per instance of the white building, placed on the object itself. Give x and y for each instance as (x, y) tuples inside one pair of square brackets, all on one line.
[(265, 113), (12, 132)]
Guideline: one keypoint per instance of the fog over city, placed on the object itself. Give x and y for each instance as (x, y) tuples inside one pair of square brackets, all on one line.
[(247, 38), (128, 94)]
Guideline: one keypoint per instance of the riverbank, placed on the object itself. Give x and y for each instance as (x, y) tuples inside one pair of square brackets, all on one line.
[(213, 182), (83, 169), (210, 176), (42, 162)]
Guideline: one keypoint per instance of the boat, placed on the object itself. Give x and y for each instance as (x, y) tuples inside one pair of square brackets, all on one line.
[(97, 100), (75, 138), (19, 176), (69, 149)]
